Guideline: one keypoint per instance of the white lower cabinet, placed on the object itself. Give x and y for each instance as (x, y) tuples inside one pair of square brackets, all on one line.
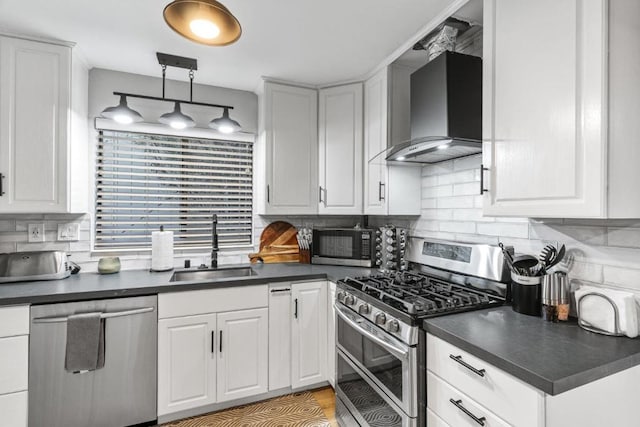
[(208, 358), (309, 333), (460, 390), (298, 350), (14, 365), (242, 349), (186, 363)]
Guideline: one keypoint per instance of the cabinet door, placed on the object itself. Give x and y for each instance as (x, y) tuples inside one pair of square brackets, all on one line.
[(309, 333), (34, 125), (279, 336), (13, 408), (242, 353), (340, 150), (186, 363), (331, 335), (544, 107), (291, 131), (375, 140)]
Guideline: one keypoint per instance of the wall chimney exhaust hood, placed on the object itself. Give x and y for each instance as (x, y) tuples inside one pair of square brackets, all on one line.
[(446, 112)]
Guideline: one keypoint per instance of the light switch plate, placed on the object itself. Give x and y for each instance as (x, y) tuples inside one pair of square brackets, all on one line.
[(36, 233), (69, 232)]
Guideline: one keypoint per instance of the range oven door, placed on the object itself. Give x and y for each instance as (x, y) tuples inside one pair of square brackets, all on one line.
[(359, 401), (387, 364)]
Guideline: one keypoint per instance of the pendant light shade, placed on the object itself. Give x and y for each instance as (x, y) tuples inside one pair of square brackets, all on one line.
[(177, 119), (121, 113), (203, 21), (225, 124)]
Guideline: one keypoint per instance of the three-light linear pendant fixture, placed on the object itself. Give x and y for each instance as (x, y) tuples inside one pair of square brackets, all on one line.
[(202, 21)]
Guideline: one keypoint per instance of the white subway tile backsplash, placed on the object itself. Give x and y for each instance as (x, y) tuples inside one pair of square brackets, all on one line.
[(458, 227), (622, 277), (454, 202), (436, 192), (7, 225), (624, 237), (598, 251), (502, 229)]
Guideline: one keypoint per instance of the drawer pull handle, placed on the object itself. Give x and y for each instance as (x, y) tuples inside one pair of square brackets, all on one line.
[(458, 359), (458, 404)]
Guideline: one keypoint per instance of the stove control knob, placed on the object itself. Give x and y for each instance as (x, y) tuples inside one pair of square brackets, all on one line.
[(349, 299), (393, 326), (378, 262), (340, 296), (378, 232), (381, 319), (364, 308)]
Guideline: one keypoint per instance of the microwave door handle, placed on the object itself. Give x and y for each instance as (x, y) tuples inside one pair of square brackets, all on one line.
[(400, 353)]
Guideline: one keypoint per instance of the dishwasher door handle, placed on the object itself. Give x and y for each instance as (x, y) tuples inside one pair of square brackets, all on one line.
[(107, 315)]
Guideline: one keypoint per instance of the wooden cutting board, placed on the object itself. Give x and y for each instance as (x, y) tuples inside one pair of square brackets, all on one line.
[(278, 243)]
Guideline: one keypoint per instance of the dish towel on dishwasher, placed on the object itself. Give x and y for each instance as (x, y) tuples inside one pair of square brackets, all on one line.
[(85, 342)]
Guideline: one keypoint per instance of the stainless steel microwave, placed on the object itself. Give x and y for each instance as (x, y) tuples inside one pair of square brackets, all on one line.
[(343, 246)]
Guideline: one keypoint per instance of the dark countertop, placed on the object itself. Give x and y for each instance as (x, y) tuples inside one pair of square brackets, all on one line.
[(553, 357), (142, 282)]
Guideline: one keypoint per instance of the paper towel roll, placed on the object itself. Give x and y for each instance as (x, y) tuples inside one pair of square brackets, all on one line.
[(161, 250)]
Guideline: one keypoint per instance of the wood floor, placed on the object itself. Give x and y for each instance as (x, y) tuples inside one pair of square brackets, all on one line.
[(326, 398)]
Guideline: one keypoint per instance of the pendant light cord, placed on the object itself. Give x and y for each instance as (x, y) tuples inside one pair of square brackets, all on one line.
[(164, 75), (191, 85)]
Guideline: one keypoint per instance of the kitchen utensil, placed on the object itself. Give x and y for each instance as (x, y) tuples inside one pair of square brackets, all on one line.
[(278, 243), (559, 257), (507, 256), (547, 255), (524, 263)]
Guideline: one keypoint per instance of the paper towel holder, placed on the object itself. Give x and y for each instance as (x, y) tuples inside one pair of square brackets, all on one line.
[(170, 266)]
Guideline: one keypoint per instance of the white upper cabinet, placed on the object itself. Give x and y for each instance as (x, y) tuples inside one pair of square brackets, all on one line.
[(43, 128), (557, 78), (289, 132), (340, 150), (388, 190)]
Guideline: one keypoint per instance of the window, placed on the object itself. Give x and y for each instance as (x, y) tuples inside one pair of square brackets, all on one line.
[(144, 181)]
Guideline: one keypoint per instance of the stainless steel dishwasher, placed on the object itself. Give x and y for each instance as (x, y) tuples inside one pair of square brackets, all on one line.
[(121, 393)]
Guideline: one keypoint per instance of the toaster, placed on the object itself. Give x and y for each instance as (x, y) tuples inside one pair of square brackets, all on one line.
[(33, 266)]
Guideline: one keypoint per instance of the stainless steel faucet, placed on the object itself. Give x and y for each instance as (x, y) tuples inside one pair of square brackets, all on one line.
[(214, 241)]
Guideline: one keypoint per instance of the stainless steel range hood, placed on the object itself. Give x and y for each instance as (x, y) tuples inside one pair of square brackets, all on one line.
[(446, 112)]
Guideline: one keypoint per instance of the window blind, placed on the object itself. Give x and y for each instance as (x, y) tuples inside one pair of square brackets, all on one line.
[(145, 180)]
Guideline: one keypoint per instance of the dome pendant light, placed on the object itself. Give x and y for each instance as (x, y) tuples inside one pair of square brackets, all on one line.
[(177, 119), (203, 21), (225, 124), (121, 113)]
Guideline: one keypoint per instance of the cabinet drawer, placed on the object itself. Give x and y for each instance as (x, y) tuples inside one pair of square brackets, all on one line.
[(233, 298), (505, 395), (13, 408), (456, 408), (14, 362), (14, 320), (435, 421)]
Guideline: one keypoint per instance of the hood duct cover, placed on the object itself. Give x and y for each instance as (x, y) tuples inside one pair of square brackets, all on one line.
[(446, 111)]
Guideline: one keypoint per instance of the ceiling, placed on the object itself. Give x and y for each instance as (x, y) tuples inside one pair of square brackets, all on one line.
[(312, 42)]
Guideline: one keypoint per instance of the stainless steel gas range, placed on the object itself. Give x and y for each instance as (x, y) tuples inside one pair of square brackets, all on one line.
[(380, 360)]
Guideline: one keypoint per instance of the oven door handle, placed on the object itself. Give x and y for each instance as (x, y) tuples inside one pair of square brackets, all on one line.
[(399, 352)]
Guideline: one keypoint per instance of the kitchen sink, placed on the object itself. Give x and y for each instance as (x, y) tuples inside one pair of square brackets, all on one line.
[(211, 274)]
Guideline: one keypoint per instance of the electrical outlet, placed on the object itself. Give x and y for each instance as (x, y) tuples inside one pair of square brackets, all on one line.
[(36, 233), (69, 232)]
